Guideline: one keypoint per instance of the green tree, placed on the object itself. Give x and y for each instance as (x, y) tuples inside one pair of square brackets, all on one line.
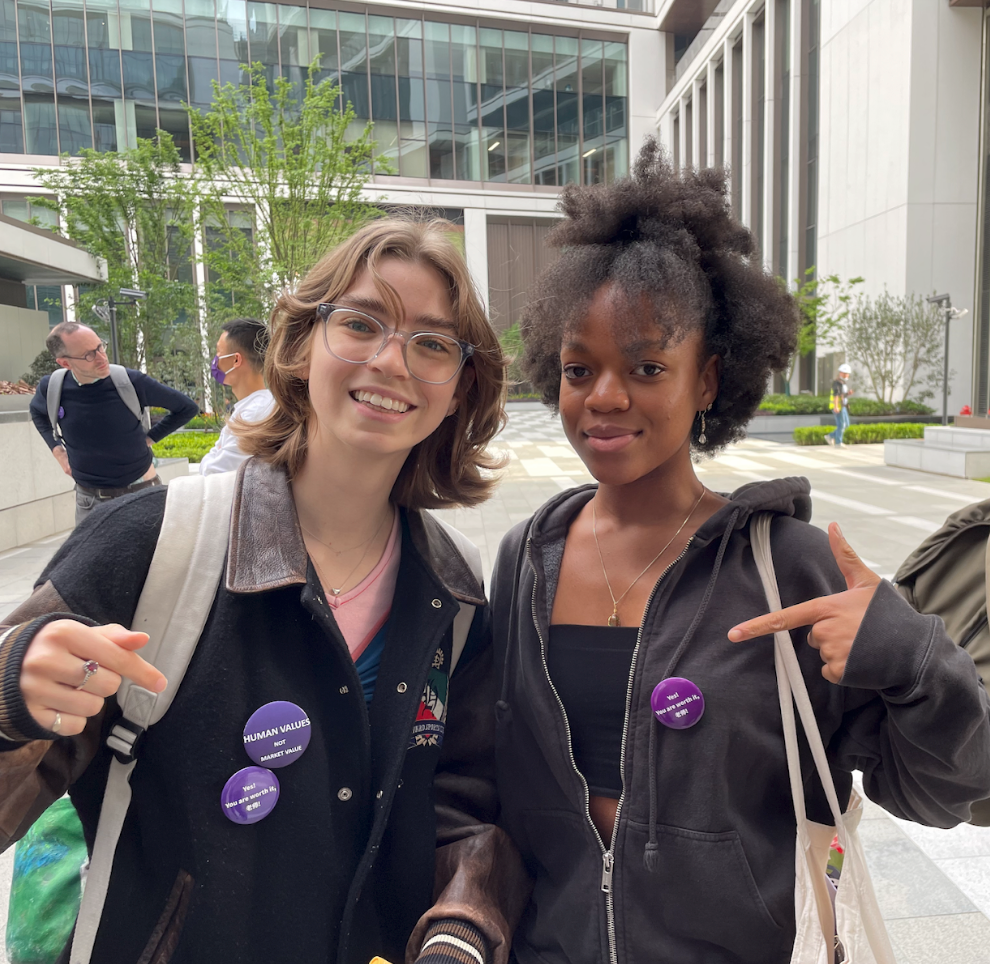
[(135, 210), (897, 340), (824, 305), (286, 158)]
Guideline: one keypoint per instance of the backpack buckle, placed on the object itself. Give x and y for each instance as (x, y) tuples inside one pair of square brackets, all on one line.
[(124, 739)]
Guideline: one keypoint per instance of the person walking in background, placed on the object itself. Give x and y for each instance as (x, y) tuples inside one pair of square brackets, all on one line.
[(97, 435), (839, 400), (238, 364)]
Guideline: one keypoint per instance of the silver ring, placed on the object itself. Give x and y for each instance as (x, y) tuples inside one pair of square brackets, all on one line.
[(56, 726), (89, 668)]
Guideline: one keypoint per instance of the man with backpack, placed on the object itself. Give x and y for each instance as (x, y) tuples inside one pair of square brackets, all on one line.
[(839, 403), (93, 416)]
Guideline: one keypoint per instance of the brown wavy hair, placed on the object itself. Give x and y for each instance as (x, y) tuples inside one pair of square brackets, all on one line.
[(449, 468)]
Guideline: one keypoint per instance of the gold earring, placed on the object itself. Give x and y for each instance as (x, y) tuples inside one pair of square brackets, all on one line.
[(702, 438)]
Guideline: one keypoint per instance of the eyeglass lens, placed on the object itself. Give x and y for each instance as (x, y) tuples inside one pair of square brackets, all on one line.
[(357, 338)]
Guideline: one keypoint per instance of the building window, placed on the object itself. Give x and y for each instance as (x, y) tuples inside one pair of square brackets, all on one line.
[(448, 101), (758, 158), (46, 298), (783, 134), (718, 107), (737, 128)]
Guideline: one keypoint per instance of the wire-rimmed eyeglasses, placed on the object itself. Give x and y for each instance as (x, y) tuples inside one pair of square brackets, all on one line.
[(358, 338)]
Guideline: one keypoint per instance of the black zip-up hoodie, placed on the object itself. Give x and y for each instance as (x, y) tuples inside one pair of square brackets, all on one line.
[(709, 808)]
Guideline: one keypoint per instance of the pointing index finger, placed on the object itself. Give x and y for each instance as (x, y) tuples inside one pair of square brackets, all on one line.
[(803, 614)]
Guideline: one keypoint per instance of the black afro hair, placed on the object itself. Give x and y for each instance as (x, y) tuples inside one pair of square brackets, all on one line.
[(667, 237)]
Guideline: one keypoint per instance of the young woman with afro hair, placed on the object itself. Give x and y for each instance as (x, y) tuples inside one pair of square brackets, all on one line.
[(654, 334)]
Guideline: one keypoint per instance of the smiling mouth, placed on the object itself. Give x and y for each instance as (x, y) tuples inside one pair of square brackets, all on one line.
[(381, 402)]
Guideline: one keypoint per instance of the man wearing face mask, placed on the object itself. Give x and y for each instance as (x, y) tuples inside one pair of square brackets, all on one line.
[(238, 364), (96, 437)]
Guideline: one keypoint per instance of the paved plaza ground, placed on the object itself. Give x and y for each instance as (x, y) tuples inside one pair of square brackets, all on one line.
[(933, 885)]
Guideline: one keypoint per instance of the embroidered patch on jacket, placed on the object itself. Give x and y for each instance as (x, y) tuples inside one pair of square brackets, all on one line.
[(432, 715)]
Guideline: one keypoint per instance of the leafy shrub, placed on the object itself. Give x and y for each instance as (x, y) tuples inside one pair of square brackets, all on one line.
[(907, 407), (870, 406), (818, 405), (860, 434), (512, 349), (208, 423), (794, 405), (187, 445), (44, 364)]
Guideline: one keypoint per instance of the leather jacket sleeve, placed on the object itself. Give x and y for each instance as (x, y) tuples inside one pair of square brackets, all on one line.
[(480, 876), (36, 772)]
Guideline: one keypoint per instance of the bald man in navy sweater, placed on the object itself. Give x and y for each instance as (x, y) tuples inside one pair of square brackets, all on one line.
[(102, 445)]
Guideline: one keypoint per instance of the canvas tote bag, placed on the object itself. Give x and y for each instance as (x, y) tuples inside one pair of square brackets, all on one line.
[(854, 933)]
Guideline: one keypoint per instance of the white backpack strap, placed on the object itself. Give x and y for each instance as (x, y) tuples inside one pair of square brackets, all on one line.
[(53, 397), (465, 616), (176, 600), (128, 394)]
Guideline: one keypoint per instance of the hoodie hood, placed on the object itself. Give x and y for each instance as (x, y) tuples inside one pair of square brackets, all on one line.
[(787, 497)]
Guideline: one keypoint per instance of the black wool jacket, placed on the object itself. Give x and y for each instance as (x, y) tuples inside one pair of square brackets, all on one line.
[(713, 802), (343, 867)]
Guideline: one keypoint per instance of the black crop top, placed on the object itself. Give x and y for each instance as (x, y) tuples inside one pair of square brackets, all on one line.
[(589, 667)]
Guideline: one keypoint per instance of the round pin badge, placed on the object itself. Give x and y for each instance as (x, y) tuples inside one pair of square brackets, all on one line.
[(249, 795), (677, 703), (277, 734)]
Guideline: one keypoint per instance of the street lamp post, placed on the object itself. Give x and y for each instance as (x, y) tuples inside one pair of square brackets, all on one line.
[(945, 303), (108, 314)]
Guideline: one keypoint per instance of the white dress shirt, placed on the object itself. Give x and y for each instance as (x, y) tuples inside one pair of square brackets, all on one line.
[(226, 455)]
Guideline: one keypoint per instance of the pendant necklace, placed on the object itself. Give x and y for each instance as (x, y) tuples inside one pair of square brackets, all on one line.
[(367, 545), (613, 620)]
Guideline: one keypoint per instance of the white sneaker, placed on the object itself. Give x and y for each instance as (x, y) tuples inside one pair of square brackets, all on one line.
[(830, 439)]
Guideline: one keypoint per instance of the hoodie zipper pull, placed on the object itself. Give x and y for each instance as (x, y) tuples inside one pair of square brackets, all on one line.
[(608, 861)]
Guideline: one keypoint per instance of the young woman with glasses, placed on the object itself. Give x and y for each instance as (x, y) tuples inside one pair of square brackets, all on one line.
[(339, 597)]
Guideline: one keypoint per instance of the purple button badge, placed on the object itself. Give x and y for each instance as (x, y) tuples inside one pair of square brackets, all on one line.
[(677, 703), (61, 412), (249, 795), (277, 734)]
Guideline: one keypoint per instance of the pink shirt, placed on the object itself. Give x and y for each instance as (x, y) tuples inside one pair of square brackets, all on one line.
[(361, 612)]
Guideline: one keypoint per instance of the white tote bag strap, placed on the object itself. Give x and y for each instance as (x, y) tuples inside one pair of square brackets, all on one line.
[(174, 605), (856, 916), (791, 683)]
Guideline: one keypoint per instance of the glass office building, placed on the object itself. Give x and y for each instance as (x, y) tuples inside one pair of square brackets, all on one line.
[(462, 101)]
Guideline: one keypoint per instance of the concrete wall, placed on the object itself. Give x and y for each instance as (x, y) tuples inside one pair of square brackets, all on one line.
[(22, 336), (36, 497), (898, 177)]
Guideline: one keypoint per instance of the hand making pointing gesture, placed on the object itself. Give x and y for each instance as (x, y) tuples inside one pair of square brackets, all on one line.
[(834, 620), (69, 669)]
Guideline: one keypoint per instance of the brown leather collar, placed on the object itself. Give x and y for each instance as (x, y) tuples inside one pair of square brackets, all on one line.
[(266, 548)]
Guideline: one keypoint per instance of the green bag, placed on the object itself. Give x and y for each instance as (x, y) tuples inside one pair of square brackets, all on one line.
[(45, 891), (948, 575)]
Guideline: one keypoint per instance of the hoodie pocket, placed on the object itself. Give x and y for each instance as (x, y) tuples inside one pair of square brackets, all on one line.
[(702, 895), (165, 937)]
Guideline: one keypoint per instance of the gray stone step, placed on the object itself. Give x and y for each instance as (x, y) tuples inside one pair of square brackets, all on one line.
[(923, 455), (948, 436)]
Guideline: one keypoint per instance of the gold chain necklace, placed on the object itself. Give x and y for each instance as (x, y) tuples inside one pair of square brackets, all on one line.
[(613, 620), (367, 545)]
